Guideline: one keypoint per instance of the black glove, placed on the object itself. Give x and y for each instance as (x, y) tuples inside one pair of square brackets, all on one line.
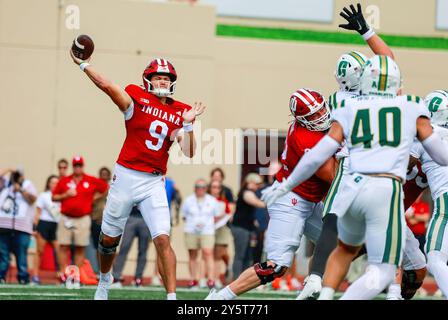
[(355, 20)]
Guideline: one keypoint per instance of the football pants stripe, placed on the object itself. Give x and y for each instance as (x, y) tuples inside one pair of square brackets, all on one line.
[(333, 188), (392, 248)]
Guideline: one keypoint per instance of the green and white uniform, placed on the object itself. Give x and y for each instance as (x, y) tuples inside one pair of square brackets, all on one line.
[(437, 233), (342, 156), (379, 133)]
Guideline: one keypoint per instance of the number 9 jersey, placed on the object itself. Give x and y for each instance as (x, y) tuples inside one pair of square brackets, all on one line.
[(380, 131), (151, 128)]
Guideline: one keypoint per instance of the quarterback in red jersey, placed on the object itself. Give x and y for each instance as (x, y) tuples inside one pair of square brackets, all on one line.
[(297, 212), (153, 121)]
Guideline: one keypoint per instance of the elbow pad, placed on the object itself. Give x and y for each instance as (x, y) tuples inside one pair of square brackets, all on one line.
[(437, 149)]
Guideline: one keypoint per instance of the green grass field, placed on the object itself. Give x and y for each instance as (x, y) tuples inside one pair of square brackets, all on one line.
[(47, 292)]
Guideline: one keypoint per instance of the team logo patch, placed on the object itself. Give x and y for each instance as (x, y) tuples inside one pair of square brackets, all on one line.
[(294, 201), (86, 185), (146, 101)]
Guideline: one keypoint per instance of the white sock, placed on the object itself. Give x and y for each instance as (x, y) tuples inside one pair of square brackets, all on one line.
[(437, 266), (171, 296), (394, 290), (377, 277), (327, 293), (227, 293), (105, 277)]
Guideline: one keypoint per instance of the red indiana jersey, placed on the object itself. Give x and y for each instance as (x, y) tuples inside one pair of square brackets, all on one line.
[(416, 183), (151, 129), (298, 141)]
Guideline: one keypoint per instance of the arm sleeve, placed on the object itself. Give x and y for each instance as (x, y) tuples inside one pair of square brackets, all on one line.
[(416, 150), (40, 202), (437, 149), (129, 111), (312, 161)]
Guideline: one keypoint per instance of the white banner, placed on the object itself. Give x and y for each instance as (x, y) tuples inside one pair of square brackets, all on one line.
[(441, 14), (299, 10)]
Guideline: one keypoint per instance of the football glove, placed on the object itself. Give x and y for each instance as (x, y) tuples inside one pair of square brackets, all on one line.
[(272, 193), (355, 20)]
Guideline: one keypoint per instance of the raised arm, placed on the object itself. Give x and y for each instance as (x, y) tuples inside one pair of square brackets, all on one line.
[(120, 97), (355, 21)]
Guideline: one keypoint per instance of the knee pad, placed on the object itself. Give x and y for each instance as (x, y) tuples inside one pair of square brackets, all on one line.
[(411, 281), (268, 273), (107, 250)]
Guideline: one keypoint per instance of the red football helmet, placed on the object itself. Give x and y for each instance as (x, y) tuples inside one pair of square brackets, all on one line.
[(310, 109), (164, 67)]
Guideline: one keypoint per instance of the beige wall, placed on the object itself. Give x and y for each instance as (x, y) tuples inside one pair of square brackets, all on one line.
[(50, 110)]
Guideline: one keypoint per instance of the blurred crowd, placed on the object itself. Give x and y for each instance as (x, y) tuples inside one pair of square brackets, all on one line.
[(65, 220)]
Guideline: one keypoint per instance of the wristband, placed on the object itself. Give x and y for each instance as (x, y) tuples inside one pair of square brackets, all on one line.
[(188, 127), (84, 65), (369, 34)]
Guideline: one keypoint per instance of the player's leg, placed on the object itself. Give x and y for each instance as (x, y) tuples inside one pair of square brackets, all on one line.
[(351, 234), (385, 237), (328, 238), (437, 243), (155, 211), (118, 207), (125, 246), (283, 235), (413, 270)]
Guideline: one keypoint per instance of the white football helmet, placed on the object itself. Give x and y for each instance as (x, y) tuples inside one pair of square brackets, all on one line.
[(437, 103), (380, 76), (348, 70)]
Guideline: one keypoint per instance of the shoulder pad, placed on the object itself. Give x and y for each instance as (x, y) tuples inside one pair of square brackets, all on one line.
[(134, 91)]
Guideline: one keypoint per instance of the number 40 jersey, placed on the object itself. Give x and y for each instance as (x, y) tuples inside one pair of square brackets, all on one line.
[(380, 131), (151, 128)]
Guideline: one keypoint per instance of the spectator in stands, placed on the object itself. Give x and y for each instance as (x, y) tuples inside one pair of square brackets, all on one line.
[(62, 167), (199, 211), (417, 218), (99, 202), (16, 222), (45, 223), (217, 174), (223, 235), (135, 228), (76, 193), (243, 224)]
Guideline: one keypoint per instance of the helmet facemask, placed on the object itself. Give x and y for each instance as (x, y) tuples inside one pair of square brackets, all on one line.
[(318, 119), (159, 92)]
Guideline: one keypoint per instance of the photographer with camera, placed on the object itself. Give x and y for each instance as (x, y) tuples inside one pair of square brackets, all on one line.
[(16, 222)]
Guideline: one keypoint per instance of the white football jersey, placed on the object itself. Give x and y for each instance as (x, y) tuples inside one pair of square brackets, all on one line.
[(379, 131), (437, 175), (333, 101)]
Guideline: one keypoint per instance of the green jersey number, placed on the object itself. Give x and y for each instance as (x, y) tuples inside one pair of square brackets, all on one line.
[(362, 133)]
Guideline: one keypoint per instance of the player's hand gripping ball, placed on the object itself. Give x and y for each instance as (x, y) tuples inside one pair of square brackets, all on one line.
[(82, 47)]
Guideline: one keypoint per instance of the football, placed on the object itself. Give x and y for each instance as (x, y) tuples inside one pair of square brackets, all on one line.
[(83, 46)]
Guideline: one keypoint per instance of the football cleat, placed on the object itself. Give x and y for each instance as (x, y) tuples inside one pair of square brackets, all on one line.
[(312, 288), (214, 295), (102, 291)]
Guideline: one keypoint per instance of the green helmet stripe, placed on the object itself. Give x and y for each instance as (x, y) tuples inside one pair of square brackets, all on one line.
[(382, 82), (357, 57)]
